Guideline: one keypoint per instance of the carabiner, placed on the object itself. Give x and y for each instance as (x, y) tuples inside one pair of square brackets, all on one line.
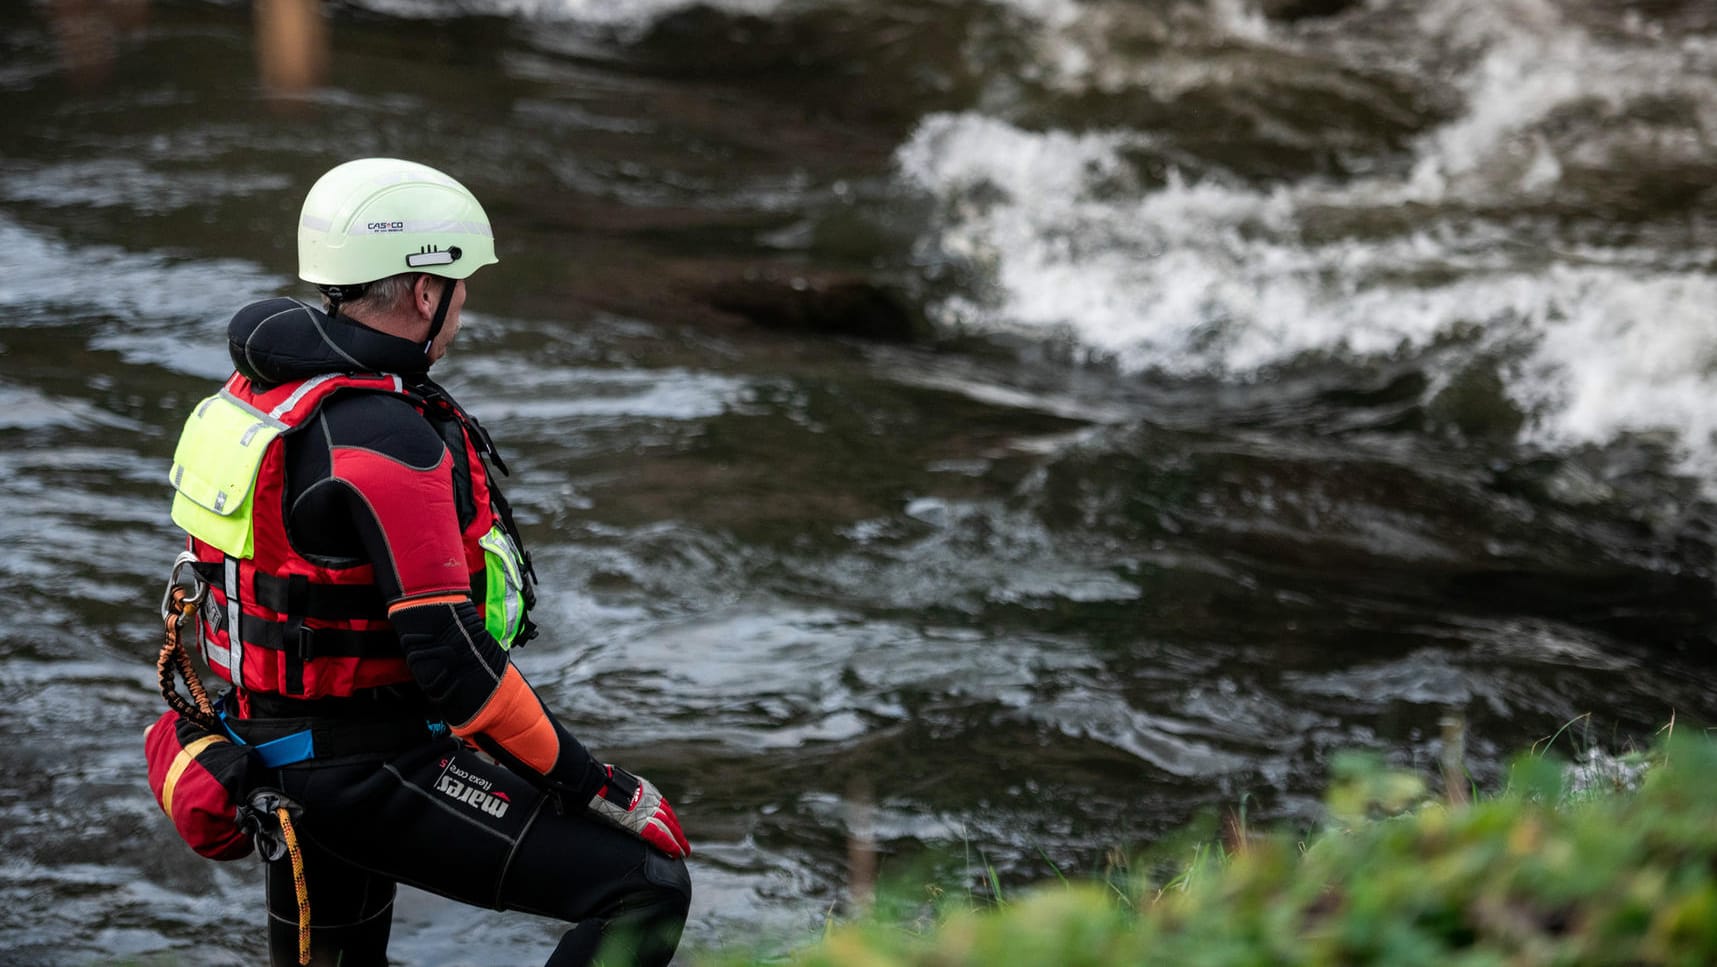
[(195, 587)]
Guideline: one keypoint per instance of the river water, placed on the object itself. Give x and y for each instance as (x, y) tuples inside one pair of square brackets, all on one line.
[(1041, 423)]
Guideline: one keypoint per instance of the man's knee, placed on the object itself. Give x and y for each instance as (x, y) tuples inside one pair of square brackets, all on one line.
[(643, 929), (655, 912), (669, 878)]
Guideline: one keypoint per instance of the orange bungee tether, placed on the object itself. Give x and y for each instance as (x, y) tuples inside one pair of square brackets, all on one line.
[(179, 606)]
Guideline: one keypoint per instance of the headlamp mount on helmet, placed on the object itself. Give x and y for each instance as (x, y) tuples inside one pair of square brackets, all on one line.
[(420, 259)]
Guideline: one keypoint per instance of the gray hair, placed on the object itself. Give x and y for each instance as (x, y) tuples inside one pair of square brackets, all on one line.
[(381, 295)]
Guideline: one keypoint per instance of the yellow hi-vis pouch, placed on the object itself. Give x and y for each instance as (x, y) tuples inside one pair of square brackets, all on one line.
[(504, 604), (214, 472)]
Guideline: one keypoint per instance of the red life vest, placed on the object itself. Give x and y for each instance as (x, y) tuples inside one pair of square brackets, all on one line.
[(277, 622)]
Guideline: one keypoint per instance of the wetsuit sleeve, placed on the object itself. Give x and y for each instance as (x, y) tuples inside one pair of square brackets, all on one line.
[(484, 697), (397, 476)]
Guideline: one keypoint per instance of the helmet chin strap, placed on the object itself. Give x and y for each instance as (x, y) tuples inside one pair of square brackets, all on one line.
[(440, 312)]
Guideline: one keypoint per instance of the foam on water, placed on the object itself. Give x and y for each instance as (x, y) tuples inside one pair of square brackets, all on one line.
[(1195, 277), (630, 17), (641, 13), (1528, 64)]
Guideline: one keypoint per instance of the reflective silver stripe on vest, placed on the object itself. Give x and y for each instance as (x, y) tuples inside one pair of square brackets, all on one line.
[(304, 389), (298, 394), (227, 394), (235, 639), (217, 654)]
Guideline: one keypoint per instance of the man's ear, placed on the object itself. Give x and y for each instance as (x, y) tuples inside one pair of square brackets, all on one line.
[(424, 295)]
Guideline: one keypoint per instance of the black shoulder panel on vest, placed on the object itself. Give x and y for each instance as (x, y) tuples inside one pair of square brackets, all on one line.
[(385, 423)]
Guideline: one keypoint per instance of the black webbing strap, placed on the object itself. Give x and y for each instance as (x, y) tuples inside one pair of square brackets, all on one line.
[(295, 634), (324, 602), (319, 642)]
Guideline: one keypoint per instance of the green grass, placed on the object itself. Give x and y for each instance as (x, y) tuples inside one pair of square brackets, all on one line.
[(1554, 869)]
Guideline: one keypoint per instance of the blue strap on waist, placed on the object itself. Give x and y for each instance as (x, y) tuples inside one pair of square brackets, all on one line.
[(286, 750), (301, 745), (283, 751)]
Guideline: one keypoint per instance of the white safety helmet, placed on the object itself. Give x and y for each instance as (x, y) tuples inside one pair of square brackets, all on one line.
[(376, 217)]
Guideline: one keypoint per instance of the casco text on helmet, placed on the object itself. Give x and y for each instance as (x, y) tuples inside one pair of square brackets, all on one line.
[(375, 217)]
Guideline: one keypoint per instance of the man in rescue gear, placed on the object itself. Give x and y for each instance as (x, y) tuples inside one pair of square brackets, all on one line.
[(365, 583)]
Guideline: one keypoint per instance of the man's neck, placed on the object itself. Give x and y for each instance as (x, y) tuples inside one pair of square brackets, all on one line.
[(392, 323)]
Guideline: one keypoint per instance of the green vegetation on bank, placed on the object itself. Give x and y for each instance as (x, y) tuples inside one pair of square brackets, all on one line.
[(1544, 872)]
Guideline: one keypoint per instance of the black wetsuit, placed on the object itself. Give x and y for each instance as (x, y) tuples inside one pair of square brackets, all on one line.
[(479, 818)]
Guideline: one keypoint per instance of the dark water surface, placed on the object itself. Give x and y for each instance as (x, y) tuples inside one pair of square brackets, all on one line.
[(1052, 421)]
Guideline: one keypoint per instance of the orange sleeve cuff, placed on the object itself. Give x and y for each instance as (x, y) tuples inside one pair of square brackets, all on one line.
[(514, 719), (425, 600)]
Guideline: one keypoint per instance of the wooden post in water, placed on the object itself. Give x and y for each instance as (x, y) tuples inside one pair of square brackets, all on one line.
[(861, 846), (291, 46), (1455, 759)]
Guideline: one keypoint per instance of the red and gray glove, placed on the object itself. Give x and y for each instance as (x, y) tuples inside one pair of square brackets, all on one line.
[(635, 805)]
